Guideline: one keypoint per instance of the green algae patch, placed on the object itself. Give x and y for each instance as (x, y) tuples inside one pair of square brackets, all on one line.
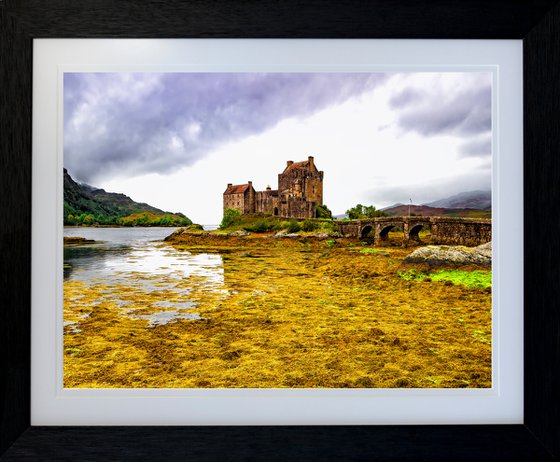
[(470, 279), (280, 313), (412, 275), (474, 279)]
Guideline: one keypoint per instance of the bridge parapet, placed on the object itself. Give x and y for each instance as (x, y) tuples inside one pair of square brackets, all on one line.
[(461, 231), (443, 230)]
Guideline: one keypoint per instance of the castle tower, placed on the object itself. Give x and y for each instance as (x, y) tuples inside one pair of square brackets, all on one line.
[(300, 187)]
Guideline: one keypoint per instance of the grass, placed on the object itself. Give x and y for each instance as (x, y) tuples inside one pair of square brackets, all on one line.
[(267, 223), (287, 314), (369, 251)]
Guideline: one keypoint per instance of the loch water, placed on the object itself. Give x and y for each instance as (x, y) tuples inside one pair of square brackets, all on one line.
[(139, 257)]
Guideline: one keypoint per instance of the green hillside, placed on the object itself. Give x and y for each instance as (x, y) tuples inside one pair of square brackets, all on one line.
[(88, 206)]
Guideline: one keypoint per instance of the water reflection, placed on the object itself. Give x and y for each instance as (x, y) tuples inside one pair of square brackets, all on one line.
[(96, 262), (134, 259)]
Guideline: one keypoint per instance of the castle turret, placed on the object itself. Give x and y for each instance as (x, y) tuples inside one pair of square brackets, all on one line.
[(290, 162), (311, 162)]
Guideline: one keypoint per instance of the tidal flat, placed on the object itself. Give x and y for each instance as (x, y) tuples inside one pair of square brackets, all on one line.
[(278, 312)]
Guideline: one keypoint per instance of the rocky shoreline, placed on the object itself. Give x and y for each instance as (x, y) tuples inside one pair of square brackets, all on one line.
[(429, 256), (185, 234), (76, 240)]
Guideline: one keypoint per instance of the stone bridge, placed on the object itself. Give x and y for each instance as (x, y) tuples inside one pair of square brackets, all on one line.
[(443, 230)]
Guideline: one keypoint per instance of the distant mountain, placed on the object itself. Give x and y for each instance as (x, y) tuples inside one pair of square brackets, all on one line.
[(87, 205), (427, 211), (479, 200), (473, 204), (398, 204)]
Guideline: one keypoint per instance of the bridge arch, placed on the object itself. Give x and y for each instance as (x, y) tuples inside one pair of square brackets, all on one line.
[(384, 231), (365, 231), (413, 232), (383, 228)]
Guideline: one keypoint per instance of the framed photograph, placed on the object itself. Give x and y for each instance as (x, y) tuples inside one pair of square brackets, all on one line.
[(290, 294), (203, 286), (310, 226)]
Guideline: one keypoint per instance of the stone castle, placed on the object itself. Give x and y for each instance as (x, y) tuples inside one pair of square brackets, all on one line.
[(300, 191)]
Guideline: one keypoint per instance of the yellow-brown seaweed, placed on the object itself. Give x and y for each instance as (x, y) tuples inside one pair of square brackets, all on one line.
[(289, 313)]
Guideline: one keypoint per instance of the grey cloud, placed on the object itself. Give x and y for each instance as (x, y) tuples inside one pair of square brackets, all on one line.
[(476, 148), (406, 98), (157, 123), (467, 112)]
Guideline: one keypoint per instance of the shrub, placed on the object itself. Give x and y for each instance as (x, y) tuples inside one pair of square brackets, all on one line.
[(231, 217), (330, 226), (364, 211), (293, 226), (282, 225), (260, 226), (322, 211), (309, 225), (88, 220)]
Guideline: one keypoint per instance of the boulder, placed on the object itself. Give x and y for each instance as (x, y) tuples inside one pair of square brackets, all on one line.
[(455, 255), (239, 233), (194, 227), (327, 235)]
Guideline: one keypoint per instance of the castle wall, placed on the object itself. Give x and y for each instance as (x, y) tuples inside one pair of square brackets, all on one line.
[(242, 201), (264, 202), (296, 208), (314, 188), (234, 201), (303, 209), (250, 201), (287, 181)]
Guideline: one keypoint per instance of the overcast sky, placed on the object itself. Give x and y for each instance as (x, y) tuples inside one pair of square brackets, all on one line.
[(174, 140)]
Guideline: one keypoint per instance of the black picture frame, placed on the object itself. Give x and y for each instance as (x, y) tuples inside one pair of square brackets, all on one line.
[(536, 22)]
